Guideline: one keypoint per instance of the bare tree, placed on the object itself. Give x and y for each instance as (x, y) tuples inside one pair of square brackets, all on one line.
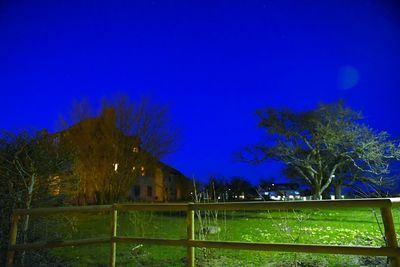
[(146, 120), (111, 150), (316, 144)]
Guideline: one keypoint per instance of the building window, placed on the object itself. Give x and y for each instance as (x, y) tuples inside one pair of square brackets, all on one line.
[(133, 168), (115, 166), (136, 191), (149, 191), (57, 140), (135, 150), (142, 169), (54, 185)]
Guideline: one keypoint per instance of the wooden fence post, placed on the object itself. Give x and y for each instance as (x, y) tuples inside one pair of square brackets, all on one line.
[(390, 234), (113, 245), (13, 239), (190, 236)]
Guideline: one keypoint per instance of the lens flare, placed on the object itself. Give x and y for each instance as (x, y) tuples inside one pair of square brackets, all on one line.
[(348, 77)]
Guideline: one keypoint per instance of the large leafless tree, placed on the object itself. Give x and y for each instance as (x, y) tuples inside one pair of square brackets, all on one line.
[(321, 144)]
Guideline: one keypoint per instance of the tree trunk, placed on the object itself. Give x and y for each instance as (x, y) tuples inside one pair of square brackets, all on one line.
[(316, 191), (28, 203), (317, 196), (338, 190)]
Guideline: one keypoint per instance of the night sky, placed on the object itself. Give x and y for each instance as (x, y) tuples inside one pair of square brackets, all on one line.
[(212, 62)]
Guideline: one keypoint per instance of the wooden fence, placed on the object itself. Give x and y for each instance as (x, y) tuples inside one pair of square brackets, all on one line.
[(385, 205)]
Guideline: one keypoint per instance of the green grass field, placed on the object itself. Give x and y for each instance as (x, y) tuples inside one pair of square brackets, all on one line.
[(340, 227)]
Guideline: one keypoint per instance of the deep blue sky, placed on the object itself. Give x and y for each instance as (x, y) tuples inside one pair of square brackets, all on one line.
[(213, 62)]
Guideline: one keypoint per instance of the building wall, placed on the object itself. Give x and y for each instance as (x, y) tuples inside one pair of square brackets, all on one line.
[(164, 187), (159, 185), (143, 189)]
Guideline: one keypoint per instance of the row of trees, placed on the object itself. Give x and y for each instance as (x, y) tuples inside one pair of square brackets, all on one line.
[(222, 189), (325, 147)]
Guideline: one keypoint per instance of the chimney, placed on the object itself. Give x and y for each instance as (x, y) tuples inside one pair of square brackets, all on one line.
[(109, 115)]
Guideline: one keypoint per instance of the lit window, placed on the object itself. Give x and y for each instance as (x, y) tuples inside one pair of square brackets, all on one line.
[(115, 166), (142, 168), (133, 168), (135, 149), (54, 185)]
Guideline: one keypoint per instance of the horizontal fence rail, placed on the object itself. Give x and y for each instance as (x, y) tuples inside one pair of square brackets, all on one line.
[(385, 205)]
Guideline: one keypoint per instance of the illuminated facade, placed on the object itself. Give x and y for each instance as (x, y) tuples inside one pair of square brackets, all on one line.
[(113, 155)]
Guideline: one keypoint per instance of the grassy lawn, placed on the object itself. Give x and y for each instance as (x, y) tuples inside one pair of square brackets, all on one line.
[(349, 227)]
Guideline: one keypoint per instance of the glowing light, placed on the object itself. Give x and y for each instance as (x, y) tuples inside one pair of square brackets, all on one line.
[(115, 166)]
